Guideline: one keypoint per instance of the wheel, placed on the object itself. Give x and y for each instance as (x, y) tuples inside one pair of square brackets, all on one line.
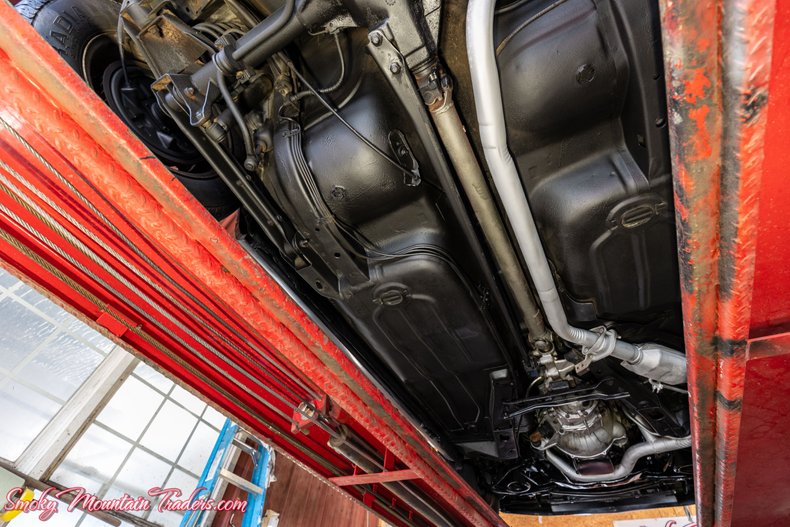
[(84, 33)]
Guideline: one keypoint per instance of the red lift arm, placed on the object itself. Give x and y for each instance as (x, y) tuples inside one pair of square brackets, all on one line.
[(89, 215)]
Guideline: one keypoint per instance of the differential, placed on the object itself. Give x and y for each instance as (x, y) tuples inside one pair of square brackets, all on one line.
[(584, 429)]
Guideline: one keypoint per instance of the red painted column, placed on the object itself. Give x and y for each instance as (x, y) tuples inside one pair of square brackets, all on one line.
[(691, 68), (761, 479), (746, 68), (718, 65)]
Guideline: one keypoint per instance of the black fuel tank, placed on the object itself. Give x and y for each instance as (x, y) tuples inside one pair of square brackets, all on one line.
[(393, 257)]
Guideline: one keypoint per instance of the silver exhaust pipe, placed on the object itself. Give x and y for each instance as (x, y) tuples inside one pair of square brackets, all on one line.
[(660, 445), (653, 361)]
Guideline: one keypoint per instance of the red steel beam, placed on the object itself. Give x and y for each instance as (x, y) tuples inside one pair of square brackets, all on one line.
[(718, 65), (58, 114), (747, 30), (691, 68), (761, 481), (771, 299)]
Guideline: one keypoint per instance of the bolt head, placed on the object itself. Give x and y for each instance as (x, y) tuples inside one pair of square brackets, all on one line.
[(585, 74), (375, 38), (338, 192), (395, 67)]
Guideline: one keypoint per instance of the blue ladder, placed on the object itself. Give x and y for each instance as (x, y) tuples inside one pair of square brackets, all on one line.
[(218, 474)]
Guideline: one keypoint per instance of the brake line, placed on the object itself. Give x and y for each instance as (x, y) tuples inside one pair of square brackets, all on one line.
[(345, 123)]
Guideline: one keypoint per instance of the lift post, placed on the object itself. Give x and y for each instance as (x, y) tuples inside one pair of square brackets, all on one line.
[(728, 91)]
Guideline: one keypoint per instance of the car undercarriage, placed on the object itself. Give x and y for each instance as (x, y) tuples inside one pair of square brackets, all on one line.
[(476, 199)]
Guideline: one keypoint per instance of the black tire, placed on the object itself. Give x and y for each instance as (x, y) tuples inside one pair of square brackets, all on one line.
[(84, 33), (73, 26)]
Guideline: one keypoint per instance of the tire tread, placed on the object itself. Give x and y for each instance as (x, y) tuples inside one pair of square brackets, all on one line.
[(30, 9)]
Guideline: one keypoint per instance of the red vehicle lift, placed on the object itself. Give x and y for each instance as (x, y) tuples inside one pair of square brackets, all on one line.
[(728, 87), (90, 216)]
